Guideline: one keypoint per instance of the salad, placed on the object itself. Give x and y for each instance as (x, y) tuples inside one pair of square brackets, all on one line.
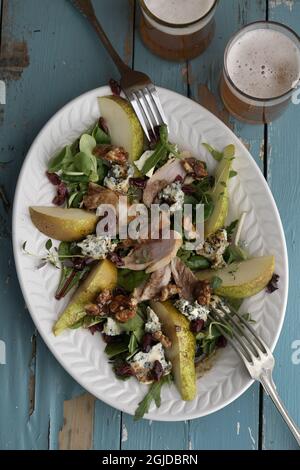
[(147, 297)]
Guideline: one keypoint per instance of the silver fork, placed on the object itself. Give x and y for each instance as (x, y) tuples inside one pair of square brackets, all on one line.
[(137, 86), (255, 354)]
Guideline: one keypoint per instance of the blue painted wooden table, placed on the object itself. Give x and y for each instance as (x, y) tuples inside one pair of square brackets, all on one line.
[(48, 56)]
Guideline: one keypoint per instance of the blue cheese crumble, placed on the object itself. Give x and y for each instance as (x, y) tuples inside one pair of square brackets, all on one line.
[(97, 247), (118, 178), (172, 195), (143, 363), (214, 247), (216, 302), (112, 328), (153, 324), (193, 311)]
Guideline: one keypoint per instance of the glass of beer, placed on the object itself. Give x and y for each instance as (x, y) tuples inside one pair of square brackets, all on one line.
[(261, 71), (177, 30)]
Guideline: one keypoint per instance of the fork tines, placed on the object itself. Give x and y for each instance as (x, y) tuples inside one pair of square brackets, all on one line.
[(147, 106), (239, 333)]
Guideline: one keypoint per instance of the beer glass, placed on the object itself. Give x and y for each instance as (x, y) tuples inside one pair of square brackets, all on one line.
[(177, 30), (261, 71)]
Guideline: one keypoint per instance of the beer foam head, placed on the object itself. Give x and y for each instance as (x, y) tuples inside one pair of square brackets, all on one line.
[(179, 11), (264, 63)]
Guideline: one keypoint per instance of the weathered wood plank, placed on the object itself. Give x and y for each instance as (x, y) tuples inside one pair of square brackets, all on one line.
[(65, 61), (78, 428), (237, 426), (283, 177)]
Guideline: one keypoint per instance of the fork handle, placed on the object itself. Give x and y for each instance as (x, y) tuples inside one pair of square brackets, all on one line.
[(87, 10), (269, 386)]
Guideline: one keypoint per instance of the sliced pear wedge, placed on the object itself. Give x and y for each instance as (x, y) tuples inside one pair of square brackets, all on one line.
[(219, 194), (123, 125), (66, 225), (103, 276), (182, 352), (242, 279)]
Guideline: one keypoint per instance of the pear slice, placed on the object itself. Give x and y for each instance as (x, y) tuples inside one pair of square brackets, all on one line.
[(182, 352), (219, 195), (103, 276), (242, 279), (123, 125), (66, 225)]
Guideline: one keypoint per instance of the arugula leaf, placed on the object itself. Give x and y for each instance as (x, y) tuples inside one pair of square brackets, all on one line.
[(69, 279), (79, 178), (133, 344), (235, 253), (102, 170), (232, 174), (67, 250), (134, 324), (89, 321), (100, 136), (87, 144), (83, 163), (232, 227), (129, 280), (114, 349), (229, 151), (197, 262), (154, 394), (160, 153), (62, 160), (215, 153), (208, 210), (215, 282), (162, 149), (76, 325)]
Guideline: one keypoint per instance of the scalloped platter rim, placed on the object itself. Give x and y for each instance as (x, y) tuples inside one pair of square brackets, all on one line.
[(80, 353)]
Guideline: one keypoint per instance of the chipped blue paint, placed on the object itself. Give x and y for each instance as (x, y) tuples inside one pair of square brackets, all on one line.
[(283, 171), (65, 61)]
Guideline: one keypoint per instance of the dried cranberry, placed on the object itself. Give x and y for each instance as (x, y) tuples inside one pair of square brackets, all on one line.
[(273, 284), (196, 325), (115, 87), (157, 371), (103, 125), (119, 291), (79, 263), (110, 339), (68, 263), (53, 178), (147, 342), (61, 196), (221, 342), (178, 179), (123, 370), (138, 182), (93, 329), (188, 189), (116, 259)]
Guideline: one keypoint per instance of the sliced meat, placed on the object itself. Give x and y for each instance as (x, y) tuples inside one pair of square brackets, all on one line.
[(153, 254), (152, 288), (166, 175), (98, 195), (184, 278)]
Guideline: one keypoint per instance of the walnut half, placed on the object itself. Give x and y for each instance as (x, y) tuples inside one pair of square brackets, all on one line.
[(202, 292), (123, 308)]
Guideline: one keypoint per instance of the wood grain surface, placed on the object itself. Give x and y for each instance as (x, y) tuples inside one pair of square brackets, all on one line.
[(49, 55)]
